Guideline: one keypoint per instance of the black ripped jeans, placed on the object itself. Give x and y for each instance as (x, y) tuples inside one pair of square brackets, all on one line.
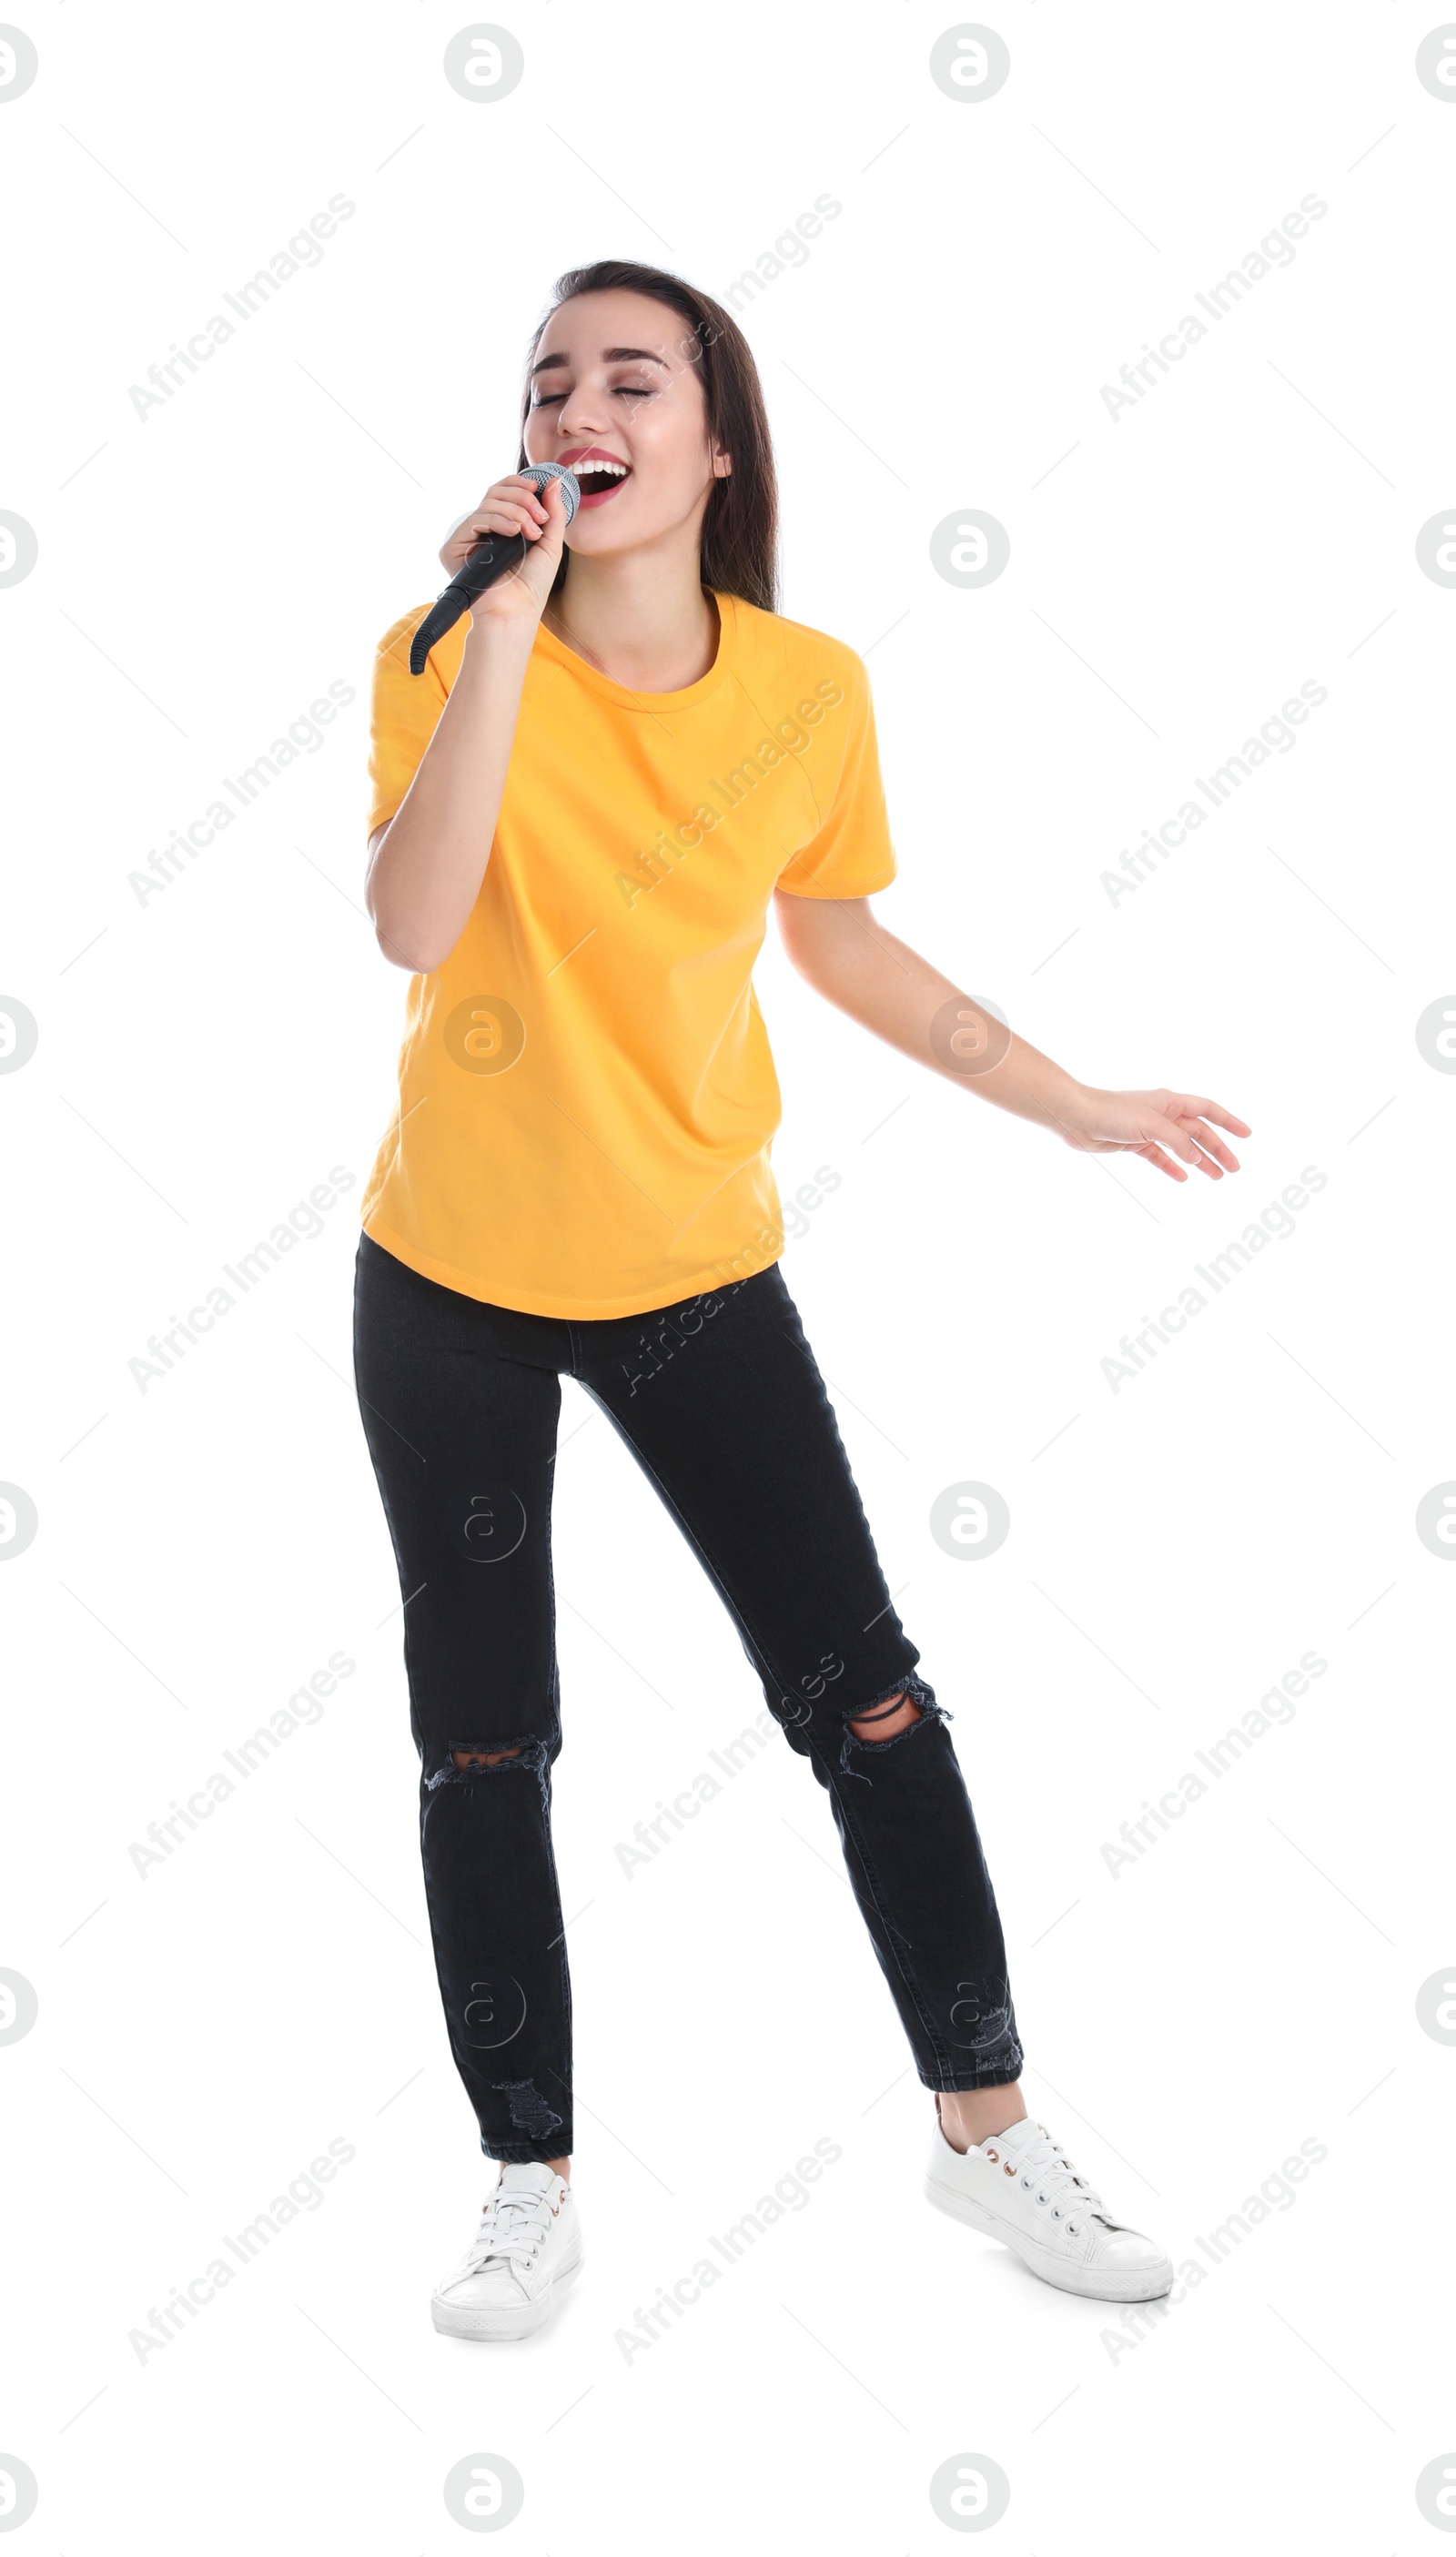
[(722, 1404)]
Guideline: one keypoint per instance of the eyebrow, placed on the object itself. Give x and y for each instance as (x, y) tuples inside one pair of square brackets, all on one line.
[(610, 355)]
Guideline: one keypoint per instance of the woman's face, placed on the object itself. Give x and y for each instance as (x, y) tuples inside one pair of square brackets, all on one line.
[(617, 379)]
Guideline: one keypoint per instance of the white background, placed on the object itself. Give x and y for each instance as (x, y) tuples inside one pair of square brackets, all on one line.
[(205, 1057)]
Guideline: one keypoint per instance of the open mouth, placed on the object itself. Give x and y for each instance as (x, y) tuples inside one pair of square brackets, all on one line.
[(599, 479)]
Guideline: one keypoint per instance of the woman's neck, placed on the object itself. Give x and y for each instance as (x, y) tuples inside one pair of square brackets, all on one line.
[(642, 622)]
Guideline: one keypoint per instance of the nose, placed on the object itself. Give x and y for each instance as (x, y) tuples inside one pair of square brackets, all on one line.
[(580, 418)]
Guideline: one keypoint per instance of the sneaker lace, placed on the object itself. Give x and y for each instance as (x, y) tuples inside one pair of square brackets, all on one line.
[(1045, 2170), (513, 2230)]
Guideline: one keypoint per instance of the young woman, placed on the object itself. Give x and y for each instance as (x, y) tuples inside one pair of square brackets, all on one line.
[(582, 812)]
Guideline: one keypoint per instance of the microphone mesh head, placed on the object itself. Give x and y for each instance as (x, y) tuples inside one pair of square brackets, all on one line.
[(571, 487)]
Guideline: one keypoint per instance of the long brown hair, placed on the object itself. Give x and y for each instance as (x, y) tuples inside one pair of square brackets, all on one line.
[(740, 548)]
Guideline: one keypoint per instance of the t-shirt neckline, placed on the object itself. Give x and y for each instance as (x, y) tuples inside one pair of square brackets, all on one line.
[(622, 694)]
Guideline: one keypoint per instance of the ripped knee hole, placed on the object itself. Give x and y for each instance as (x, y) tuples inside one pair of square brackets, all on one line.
[(885, 1722)]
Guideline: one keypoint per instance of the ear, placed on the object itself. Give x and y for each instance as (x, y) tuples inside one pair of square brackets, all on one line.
[(721, 466)]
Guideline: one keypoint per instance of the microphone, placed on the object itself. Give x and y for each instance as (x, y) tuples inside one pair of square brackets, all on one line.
[(491, 558)]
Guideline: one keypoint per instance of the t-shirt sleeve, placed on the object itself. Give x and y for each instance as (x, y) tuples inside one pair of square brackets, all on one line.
[(851, 855), (404, 710)]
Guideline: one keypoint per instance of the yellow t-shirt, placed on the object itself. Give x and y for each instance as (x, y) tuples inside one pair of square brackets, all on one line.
[(586, 1096)]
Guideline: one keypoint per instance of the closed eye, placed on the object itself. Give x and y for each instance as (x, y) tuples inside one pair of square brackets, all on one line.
[(624, 390)]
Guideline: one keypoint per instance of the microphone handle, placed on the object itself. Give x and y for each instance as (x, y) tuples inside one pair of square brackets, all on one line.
[(491, 558)]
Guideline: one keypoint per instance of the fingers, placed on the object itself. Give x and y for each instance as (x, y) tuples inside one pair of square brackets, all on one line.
[(511, 506), (1165, 1130), (1212, 1145), (506, 515), (1173, 1129), (518, 487), (553, 505), (1184, 1119), (1193, 1115), (1152, 1152), (1189, 1105)]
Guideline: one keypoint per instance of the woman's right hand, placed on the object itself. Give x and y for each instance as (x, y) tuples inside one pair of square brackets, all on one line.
[(513, 505)]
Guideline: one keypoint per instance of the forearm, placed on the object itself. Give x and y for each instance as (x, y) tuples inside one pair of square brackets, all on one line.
[(889, 988), (428, 865)]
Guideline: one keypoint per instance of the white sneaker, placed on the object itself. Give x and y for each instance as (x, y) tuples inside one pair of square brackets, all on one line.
[(1020, 2187), (527, 2246)]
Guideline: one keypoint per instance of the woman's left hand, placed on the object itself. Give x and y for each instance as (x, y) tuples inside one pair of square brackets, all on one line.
[(1167, 1129)]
